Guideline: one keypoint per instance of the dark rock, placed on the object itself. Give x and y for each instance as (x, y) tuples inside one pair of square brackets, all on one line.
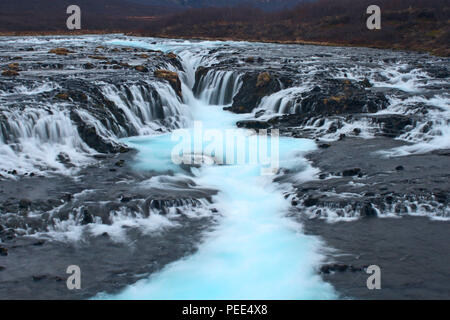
[(323, 176), (10, 73), (259, 113), (324, 145), (120, 163), (399, 168), (337, 97), (63, 158), (2, 268), (92, 138), (337, 267), (199, 74), (60, 51), (368, 210), (393, 125), (254, 88), (171, 77), (67, 197), (366, 83), (24, 203), (310, 202), (87, 218), (39, 277), (252, 124), (357, 131), (441, 196), (141, 68), (351, 172), (88, 66), (126, 199), (3, 251)]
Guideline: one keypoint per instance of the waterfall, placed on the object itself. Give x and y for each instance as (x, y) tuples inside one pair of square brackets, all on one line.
[(35, 140), (283, 101), (36, 136), (218, 87)]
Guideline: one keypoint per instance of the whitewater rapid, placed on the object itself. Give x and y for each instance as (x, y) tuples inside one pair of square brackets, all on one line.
[(255, 251)]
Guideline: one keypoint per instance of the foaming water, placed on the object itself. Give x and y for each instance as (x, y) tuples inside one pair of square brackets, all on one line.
[(255, 252)]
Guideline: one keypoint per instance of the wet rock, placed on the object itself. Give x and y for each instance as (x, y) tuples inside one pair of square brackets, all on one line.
[(393, 125), (323, 176), (37, 278), (120, 163), (3, 251), (88, 66), (368, 210), (13, 66), (62, 96), (10, 73), (249, 59), (259, 113), (92, 138), (171, 77), (60, 51), (337, 97), (25, 203), (98, 57), (141, 68), (87, 218), (324, 145), (357, 131), (336, 267), (263, 79), (252, 124), (171, 55), (366, 83), (63, 158), (2, 268), (351, 172), (441, 196), (39, 243), (254, 88), (399, 168), (126, 199), (67, 197), (310, 202), (438, 72)]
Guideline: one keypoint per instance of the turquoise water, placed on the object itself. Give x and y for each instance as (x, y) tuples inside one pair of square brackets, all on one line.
[(255, 252)]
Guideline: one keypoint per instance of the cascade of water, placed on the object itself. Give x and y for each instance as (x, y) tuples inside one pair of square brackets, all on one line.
[(255, 252), (218, 87)]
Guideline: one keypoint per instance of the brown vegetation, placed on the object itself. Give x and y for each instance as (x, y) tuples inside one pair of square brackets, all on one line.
[(406, 24), (170, 76), (421, 25)]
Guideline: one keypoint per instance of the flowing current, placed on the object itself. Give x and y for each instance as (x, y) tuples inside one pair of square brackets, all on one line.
[(255, 251)]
